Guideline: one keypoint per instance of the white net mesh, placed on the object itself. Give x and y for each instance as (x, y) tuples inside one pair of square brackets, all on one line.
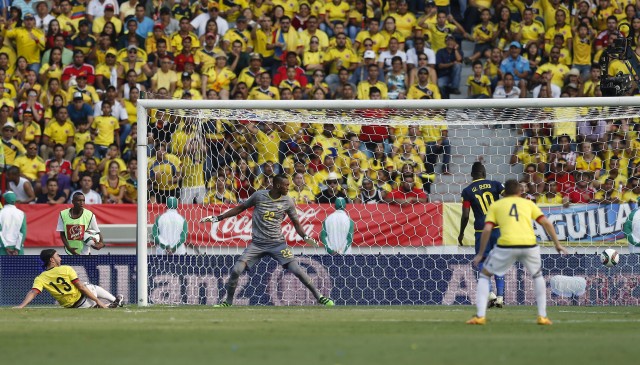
[(402, 170)]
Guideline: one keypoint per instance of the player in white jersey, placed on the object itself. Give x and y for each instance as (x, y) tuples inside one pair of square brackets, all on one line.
[(270, 208), (337, 230)]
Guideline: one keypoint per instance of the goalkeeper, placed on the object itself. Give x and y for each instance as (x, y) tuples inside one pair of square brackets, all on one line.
[(270, 208), (337, 230)]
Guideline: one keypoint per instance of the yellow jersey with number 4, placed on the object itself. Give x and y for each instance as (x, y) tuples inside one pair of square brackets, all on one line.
[(58, 281), (513, 215)]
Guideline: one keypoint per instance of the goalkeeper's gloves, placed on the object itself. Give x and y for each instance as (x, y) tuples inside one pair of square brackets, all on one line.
[(310, 241), (211, 218)]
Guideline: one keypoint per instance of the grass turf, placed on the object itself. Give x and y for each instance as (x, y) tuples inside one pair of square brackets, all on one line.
[(317, 335)]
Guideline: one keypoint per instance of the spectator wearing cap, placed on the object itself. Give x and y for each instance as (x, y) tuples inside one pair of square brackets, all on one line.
[(77, 69), (109, 72), (184, 32), (517, 66), (109, 16), (239, 33), (282, 71), (207, 54), (218, 77), (60, 130), (200, 21), (449, 65), (42, 16), (332, 189), (59, 41), (187, 87), (557, 69), (10, 145), (249, 74), (28, 130), (97, 8), (165, 77), (30, 41), (88, 92), (14, 227)]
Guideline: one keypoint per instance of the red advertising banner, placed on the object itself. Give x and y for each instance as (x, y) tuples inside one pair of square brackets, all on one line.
[(375, 224)]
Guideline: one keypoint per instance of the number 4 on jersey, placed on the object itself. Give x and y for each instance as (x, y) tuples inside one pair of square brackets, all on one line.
[(513, 212)]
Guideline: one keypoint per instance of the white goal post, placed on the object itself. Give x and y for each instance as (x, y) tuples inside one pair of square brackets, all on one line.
[(458, 111)]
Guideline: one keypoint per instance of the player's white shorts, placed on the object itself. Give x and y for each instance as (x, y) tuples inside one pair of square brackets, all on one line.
[(501, 259), (88, 303)]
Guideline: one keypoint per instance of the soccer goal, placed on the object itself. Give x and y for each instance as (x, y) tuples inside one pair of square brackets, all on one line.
[(402, 166)]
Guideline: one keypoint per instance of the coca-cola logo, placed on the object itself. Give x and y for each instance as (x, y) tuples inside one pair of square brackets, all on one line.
[(239, 227)]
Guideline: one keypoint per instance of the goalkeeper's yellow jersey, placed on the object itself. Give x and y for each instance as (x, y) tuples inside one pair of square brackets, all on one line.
[(58, 281)]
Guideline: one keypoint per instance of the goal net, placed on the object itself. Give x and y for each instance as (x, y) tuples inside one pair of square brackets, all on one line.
[(401, 166)]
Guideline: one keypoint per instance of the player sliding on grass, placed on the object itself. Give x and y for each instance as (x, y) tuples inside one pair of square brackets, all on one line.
[(479, 195), (517, 242), (62, 282), (270, 207)]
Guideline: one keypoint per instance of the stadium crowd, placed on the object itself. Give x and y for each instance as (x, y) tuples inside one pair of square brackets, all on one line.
[(73, 71)]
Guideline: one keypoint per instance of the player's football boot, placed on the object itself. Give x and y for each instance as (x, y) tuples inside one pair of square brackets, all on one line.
[(223, 304), (499, 302), (118, 302), (477, 320), (492, 300), (544, 321), (327, 302)]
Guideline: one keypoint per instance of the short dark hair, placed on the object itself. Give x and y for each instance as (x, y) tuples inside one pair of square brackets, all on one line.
[(46, 255), (278, 179), (478, 170), (511, 187)]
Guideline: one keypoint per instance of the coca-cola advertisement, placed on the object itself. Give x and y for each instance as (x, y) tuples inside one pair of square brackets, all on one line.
[(375, 224)]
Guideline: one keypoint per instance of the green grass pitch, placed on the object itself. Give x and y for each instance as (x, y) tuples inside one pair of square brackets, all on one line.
[(317, 335)]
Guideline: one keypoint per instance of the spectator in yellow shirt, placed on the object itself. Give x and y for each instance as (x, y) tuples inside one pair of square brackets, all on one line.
[(11, 146), (105, 130), (59, 130), (31, 166)]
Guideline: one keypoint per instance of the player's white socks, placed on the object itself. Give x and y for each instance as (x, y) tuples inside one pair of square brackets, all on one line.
[(482, 296), (540, 289), (101, 293)]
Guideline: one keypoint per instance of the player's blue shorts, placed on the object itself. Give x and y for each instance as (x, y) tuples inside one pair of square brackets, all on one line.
[(493, 240)]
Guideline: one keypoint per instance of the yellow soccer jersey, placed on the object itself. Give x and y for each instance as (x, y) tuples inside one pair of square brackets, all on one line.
[(594, 165), (484, 33), (582, 51), (554, 199), (59, 133), (377, 39), (226, 198), (30, 168), (338, 12), (552, 32), (105, 128), (12, 149), (166, 170), (257, 93), (430, 91), (345, 56), (437, 36), (532, 32), (304, 196), (601, 194), (244, 37), (630, 196), (479, 86), (405, 23), (514, 215), (267, 146), (261, 42), (365, 86), (59, 282), (558, 71)]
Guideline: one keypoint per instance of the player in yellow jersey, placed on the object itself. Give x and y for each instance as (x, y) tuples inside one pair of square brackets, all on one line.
[(517, 242), (62, 282)]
